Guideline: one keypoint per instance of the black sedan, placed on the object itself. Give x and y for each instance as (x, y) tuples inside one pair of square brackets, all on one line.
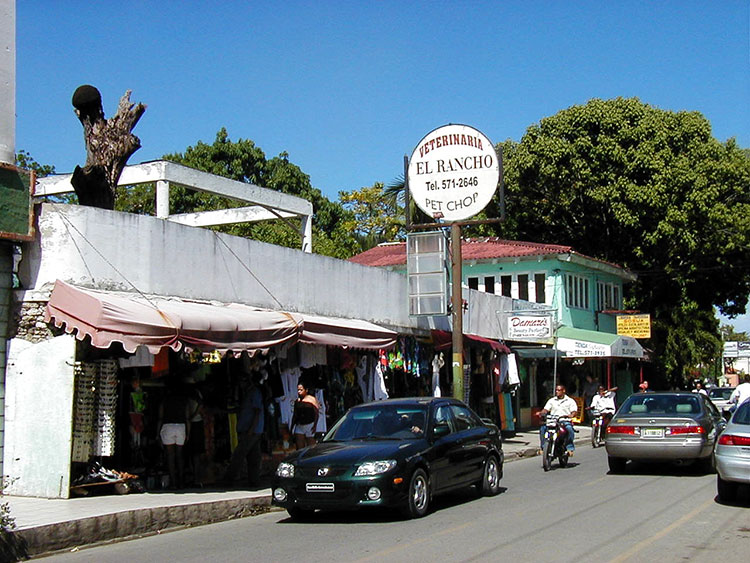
[(663, 427), (395, 453)]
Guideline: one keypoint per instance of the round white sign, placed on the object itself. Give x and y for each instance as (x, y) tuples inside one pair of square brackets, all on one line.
[(453, 172)]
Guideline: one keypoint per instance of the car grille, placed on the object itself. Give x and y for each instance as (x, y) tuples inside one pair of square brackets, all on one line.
[(311, 472)]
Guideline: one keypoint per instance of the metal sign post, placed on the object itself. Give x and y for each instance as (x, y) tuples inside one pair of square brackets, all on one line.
[(457, 303), (452, 175)]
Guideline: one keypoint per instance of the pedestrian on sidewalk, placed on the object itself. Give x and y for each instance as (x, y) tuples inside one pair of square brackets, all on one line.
[(174, 430), (249, 432)]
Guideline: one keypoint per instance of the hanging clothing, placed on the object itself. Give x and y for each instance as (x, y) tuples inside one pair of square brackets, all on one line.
[(513, 377), (289, 379), (322, 426), (437, 363), (380, 393)]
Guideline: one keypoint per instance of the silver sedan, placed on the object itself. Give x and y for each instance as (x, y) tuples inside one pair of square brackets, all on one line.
[(733, 453), (663, 427)]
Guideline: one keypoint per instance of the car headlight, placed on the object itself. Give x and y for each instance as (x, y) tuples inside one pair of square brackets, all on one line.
[(375, 467), (285, 470)]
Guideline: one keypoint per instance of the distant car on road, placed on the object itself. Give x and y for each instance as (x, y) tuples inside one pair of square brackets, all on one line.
[(720, 398), (732, 454), (663, 427), (394, 453)]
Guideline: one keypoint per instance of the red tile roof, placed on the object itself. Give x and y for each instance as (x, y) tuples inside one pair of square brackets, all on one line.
[(394, 253)]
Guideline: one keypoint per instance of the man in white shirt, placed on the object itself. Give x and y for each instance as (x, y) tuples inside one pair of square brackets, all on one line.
[(604, 403), (741, 393), (560, 405)]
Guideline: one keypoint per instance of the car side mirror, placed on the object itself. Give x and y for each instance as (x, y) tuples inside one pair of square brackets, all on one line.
[(441, 430)]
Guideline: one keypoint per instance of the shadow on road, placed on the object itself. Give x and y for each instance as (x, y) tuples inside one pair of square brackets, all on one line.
[(385, 515), (664, 469)]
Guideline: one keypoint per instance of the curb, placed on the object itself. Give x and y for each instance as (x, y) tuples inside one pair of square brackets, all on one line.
[(132, 523)]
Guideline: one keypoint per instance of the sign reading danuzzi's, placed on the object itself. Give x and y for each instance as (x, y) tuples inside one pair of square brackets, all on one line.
[(520, 326), (453, 172)]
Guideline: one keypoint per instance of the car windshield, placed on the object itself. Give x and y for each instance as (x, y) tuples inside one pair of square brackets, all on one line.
[(742, 414), (664, 405), (388, 422), (720, 393)]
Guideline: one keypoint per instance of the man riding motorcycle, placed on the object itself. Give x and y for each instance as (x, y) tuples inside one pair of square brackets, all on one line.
[(560, 405), (604, 403)]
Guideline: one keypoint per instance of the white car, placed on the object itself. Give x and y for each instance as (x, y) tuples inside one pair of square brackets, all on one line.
[(732, 454), (720, 398)]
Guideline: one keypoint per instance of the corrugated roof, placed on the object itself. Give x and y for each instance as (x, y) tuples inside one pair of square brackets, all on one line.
[(394, 253)]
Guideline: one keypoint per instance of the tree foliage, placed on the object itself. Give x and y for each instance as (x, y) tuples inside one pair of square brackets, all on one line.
[(376, 217), (653, 191)]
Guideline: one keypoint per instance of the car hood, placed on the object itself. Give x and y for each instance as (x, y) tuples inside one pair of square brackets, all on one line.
[(358, 451)]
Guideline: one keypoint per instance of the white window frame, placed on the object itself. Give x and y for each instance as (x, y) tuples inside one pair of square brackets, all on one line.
[(609, 296), (577, 290)]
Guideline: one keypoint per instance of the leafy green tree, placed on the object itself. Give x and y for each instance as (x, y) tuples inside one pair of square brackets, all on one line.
[(653, 191), (25, 160), (729, 334), (376, 217)]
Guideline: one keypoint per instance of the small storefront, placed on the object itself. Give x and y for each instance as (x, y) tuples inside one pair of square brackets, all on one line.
[(101, 376), (581, 360)]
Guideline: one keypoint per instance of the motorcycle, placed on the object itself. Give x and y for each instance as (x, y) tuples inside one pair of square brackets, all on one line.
[(555, 438), (598, 427)]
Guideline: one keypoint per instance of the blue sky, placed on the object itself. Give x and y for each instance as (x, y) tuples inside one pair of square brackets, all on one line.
[(349, 88)]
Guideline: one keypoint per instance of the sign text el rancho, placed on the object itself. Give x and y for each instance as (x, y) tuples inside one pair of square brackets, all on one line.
[(453, 172)]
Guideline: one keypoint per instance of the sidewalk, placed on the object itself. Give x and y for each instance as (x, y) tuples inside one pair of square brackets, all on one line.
[(61, 524)]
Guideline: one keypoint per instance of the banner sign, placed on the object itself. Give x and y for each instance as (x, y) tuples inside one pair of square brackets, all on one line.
[(527, 326), (635, 326), (453, 172), (16, 215)]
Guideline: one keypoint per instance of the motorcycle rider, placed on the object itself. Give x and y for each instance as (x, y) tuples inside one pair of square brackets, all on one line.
[(560, 405), (604, 403)]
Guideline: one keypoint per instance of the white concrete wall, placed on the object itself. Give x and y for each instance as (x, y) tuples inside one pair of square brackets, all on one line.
[(39, 417), (112, 250), (7, 81)]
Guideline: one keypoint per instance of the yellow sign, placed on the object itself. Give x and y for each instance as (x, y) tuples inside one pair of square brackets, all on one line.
[(635, 326)]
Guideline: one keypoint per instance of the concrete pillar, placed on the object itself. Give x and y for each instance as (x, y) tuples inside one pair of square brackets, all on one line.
[(8, 81), (306, 232), (162, 199)]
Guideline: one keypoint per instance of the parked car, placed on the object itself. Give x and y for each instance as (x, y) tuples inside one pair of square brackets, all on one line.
[(732, 454), (663, 427), (720, 398), (394, 453)]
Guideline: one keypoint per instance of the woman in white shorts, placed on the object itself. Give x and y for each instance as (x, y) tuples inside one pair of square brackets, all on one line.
[(305, 417)]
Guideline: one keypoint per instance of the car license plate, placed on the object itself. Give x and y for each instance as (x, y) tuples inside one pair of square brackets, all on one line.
[(652, 433), (319, 487)]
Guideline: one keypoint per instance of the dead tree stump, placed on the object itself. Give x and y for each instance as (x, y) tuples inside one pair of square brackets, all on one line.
[(109, 145)]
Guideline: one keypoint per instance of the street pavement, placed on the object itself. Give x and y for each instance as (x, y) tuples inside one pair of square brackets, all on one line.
[(580, 513), (48, 525)]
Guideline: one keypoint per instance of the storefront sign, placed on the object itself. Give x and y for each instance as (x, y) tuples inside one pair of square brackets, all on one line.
[(527, 326), (453, 172), (636, 326)]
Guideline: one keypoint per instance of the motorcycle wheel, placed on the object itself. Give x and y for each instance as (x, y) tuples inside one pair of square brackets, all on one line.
[(563, 458), (547, 456), (594, 435)]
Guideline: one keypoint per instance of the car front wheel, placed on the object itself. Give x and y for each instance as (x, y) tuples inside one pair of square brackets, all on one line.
[(419, 495), (491, 477)]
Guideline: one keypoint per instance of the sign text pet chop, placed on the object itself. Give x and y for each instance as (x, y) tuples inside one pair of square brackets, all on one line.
[(453, 172)]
